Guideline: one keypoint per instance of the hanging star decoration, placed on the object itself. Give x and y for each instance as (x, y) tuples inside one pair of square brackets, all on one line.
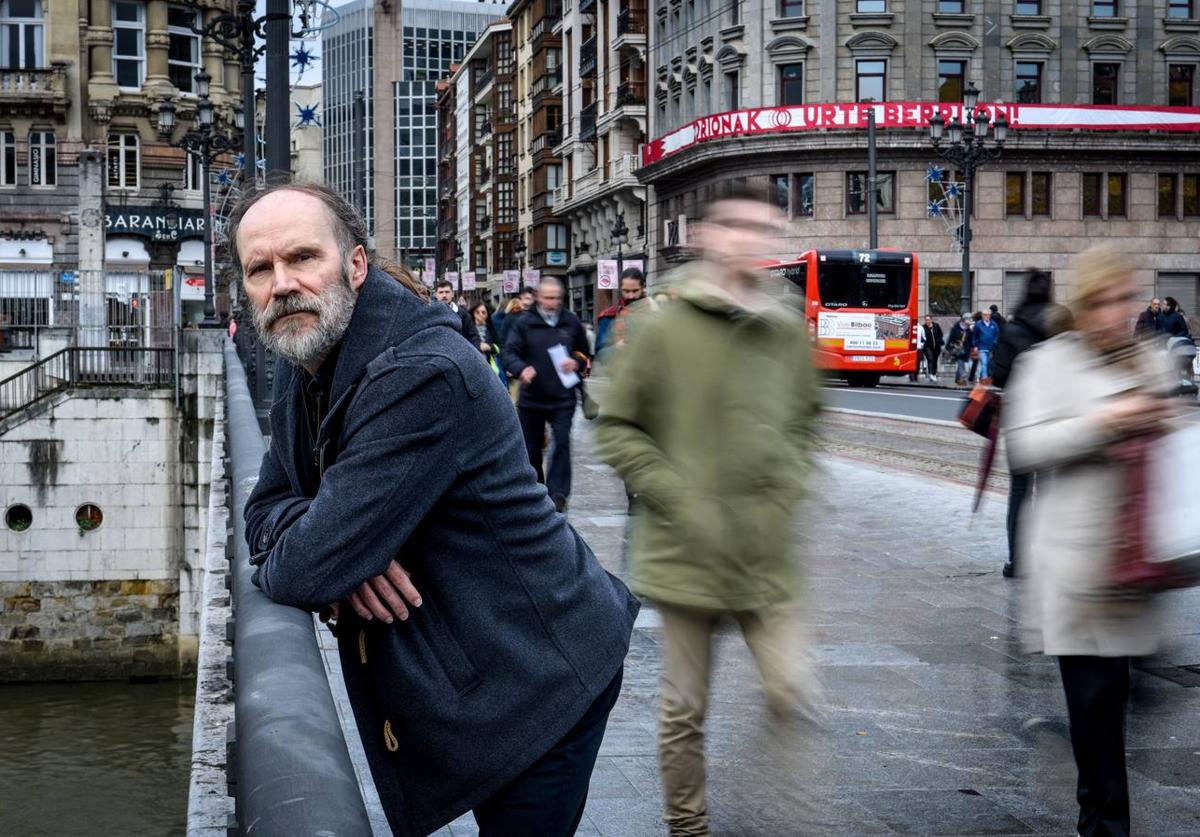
[(239, 161), (302, 58), (953, 190), (935, 173), (308, 115), (225, 177), (936, 209)]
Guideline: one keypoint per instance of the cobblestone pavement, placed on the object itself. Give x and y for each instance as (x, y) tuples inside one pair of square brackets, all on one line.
[(935, 722)]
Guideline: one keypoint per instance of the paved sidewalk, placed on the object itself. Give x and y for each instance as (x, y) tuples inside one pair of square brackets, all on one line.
[(936, 723)]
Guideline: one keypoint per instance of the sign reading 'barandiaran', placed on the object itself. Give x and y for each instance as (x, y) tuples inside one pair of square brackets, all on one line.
[(842, 116), (157, 223)]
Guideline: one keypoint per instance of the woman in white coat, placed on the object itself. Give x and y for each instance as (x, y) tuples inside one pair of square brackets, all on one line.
[(1071, 400)]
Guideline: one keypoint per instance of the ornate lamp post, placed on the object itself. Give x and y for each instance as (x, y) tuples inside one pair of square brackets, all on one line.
[(620, 235), (207, 144), (519, 252), (967, 150)]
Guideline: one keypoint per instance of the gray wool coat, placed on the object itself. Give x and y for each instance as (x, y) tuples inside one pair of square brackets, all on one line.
[(424, 462)]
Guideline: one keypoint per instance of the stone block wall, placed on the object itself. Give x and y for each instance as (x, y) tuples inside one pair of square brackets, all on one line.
[(88, 630)]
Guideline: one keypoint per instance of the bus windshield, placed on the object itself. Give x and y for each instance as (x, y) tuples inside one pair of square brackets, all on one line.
[(846, 283)]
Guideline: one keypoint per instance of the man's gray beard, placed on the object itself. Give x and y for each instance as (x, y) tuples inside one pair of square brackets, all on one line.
[(308, 346)]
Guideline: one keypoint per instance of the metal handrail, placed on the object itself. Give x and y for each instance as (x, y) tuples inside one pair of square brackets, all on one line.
[(291, 769), (84, 366)]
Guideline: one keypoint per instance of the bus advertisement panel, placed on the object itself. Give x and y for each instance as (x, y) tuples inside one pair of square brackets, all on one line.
[(861, 307)]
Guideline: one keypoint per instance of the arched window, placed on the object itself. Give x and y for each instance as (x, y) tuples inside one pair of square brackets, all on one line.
[(22, 35)]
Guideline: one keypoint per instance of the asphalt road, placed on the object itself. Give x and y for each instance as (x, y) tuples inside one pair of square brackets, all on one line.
[(929, 403)]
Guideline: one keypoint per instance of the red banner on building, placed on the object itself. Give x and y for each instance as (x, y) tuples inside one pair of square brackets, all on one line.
[(843, 116)]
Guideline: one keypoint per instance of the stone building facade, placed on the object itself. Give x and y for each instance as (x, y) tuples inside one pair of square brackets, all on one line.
[(88, 184), (604, 98), (1052, 191)]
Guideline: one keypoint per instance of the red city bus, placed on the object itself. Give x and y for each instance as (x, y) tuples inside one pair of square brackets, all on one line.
[(861, 307)]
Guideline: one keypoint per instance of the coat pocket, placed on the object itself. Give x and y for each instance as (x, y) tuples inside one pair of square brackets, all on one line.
[(443, 647)]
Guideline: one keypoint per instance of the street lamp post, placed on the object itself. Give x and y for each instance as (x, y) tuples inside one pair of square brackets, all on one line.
[(207, 144), (620, 234), (967, 150), (519, 252)]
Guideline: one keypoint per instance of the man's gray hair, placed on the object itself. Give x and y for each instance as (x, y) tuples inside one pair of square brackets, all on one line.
[(348, 226), (550, 277)]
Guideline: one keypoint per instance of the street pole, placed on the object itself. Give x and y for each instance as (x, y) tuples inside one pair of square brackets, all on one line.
[(872, 185), (249, 103), (277, 126), (360, 152), (968, 186), (210, 311)]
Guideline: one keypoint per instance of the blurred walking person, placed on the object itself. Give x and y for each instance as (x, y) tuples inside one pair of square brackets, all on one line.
[(1147, 321), (709, 421), (534, 340), (613, 322), (1036, 319), (986, 334), (1074, 402), (482, 335), (959, 346), (934, 341)]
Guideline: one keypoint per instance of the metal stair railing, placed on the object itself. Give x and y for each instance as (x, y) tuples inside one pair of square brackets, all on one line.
[(85, 366)]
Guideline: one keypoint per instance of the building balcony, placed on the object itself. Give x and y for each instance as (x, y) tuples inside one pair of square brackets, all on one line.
[(35, 92), (631, 93), (505, 116), (482, 79), (545, 142), (485, 175), (587, 58), (587, 123), (587, 7), (544, 84), (631, 28), (623, 171), (483, 223)]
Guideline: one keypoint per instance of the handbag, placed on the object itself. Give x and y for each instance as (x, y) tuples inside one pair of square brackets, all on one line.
[(981, 414), (1159, 518), (974, 353)]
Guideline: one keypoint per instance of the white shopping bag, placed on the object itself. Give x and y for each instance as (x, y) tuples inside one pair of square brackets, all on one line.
[(1174, 513)]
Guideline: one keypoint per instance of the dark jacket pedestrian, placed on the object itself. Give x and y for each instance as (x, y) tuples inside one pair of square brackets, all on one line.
[(1172, 321), (1147, 322), (529, 340), (933, 340), (543, 399), (521, 634), (998, 318), (959, 345)]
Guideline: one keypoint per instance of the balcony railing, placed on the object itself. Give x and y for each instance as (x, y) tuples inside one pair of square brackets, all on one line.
[(483, 223), (587, 58), (545, 141), (35, 92), (623, 169), (546, 82), (631, 22), (631, 93), (543, 200), (505, 116), (483, 78), (587, 123), (484, 176)]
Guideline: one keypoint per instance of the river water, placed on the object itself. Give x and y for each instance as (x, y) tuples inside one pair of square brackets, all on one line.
[(95, 759)]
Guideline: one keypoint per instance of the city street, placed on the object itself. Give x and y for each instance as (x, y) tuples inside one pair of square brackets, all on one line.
[(935, 722)]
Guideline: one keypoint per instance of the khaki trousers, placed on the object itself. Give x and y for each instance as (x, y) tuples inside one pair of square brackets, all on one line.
[(773, 636)]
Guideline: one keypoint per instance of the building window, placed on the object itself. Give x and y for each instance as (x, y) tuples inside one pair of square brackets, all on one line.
[(43, 159), (183, 53), (556, 237), (123, 161), (1168, 195), (1116, 195), (802, 195), (8, 158), (866, 7), (856, 192), (780, 191), (1029, 7), (791, 8), (1179, 9), (791, 84), (950, 80), (129, 43), (1181, 81), (1104, 83), (945, 293), (1014, 194), (192, 173), (870, 80), (707, 96), (1040, 193), (1191, 196), (1104, 8), (731, 90), (950, 7), (1029, 82), (1093, 194), (21, 35)]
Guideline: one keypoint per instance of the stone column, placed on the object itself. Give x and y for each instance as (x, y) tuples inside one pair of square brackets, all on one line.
[(101, 85), (158, 81), (213, 59), (92, 317)]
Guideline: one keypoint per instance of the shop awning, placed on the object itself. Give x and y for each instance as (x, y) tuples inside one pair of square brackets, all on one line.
[(191, 255), (125, 252), (16, 251)]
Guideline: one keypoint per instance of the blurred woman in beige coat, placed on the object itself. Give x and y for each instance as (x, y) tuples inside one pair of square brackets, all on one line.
[(1070, 401)]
